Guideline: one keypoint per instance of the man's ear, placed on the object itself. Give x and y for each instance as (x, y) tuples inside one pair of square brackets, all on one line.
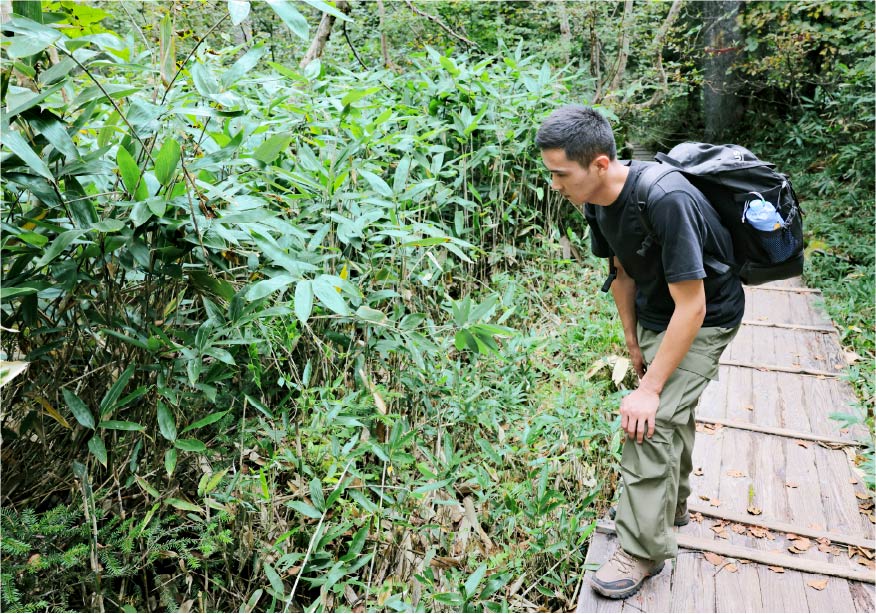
[(601, 163)]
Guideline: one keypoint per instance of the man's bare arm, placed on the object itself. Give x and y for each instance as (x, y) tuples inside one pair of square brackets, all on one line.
[(623, 290)]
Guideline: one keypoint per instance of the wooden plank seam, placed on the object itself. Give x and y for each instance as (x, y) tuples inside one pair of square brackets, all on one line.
[(781, 369)]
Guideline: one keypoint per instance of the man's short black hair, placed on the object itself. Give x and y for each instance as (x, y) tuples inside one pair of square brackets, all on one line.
[(582, 132)]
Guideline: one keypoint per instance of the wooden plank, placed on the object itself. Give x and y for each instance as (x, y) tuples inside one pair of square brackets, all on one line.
[(863, 597), (787, 561), (656, 593), (693, 588), (785, 289), (780, 368), (780, 526), (804, 327), (836, 597), (739, 591), (781, 432), (838, 493), (599, 549)]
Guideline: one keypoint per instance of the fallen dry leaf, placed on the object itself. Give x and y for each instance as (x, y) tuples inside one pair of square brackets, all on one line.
[(852, 358), (732, 568), (792, 536), (867, 563), (823, 541), (704, 497), (791, 485), (754, 511), (760, 533), (818, 585), (776, 568), (715, 502), (749, 407), (735, 473), (697, 517), (714, 559), (801, 544), (866, 552), (862, 496), (698, 471), (838, 366), (801, 443), (853, 480), (739, 529)]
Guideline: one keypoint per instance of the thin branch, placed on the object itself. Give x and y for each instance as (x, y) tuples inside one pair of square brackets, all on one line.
[(674, 10), (441, 25)]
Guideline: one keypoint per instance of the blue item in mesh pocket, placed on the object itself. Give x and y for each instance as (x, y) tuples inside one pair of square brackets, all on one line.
[(779, 244)]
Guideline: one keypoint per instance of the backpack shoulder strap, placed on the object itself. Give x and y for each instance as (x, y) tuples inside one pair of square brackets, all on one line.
[(646, 180)]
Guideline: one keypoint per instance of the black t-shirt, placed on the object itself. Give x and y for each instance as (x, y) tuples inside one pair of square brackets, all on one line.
[(685, 226)]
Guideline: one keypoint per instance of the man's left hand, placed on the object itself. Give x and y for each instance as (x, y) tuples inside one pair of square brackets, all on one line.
[(638, 412)]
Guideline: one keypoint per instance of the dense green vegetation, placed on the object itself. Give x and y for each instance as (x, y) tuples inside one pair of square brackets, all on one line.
[(320, 338)]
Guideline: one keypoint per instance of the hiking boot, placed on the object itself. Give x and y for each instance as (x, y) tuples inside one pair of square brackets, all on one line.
[(623, 574), (682, 517)]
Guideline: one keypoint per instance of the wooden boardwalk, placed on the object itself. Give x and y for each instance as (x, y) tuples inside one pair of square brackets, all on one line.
[(766, 445)]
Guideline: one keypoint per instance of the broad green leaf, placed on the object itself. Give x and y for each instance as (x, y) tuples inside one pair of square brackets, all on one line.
[(98, 448), (190, 445), (140, 213), (316, 495), (303, 300), (274, 579), (166, 422), (329, 295), (166, 161), (51, 127), (265, 287), (214, 417), (268, 151), (147, 487), (378, 184), (120, 425), (61, 242), (327, 8), (9, 370), (303, 508), (400, 178), (246, 63), (184, 505), (33, 238), (213, 481), (471, 584), (356, 95), (291, 17), (79, 408), (167, 50), (239, 10), (17, 145), (130, 173), (170, 461), (371, 315), (8, 292), (31, 37), (108, 225), (156, 205), (427, 242), (205, 81)]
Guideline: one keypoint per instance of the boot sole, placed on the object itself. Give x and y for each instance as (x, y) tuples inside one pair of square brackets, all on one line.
[(629, 592)]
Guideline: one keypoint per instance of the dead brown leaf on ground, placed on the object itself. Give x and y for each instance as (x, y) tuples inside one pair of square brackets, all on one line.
[(735, 473), (761, 533), (863, 496), (704, 497), (749, 407), (714, 559), (818, 585), (715, 502), (791, 484), (871, 565), (853, 480), (865, 552), (754, 511), (801, 544), (792, 536), (776, 568), (697, 517), (732, 568), (737, 528), (802, 443), (698, 471)]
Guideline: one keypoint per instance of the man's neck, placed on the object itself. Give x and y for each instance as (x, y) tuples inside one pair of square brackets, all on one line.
[(615, 178)]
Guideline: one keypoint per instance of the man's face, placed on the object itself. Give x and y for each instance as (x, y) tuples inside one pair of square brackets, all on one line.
[(569, 178)]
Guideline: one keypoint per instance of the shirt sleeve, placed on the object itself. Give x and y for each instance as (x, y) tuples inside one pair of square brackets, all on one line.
[(598, 244), (681, 231)]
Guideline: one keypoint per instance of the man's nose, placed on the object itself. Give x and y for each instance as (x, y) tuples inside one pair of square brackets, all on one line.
[(555, 184)]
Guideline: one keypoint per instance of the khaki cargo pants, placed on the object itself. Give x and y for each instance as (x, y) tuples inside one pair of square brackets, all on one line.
[(656, 472)]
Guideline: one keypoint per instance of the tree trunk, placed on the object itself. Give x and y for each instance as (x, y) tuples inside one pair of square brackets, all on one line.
[(624, 46), (322, 34), (565, 30), (595, 71), (720, 104)]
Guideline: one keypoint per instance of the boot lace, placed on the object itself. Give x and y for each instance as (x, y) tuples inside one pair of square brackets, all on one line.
[(624, 561)]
